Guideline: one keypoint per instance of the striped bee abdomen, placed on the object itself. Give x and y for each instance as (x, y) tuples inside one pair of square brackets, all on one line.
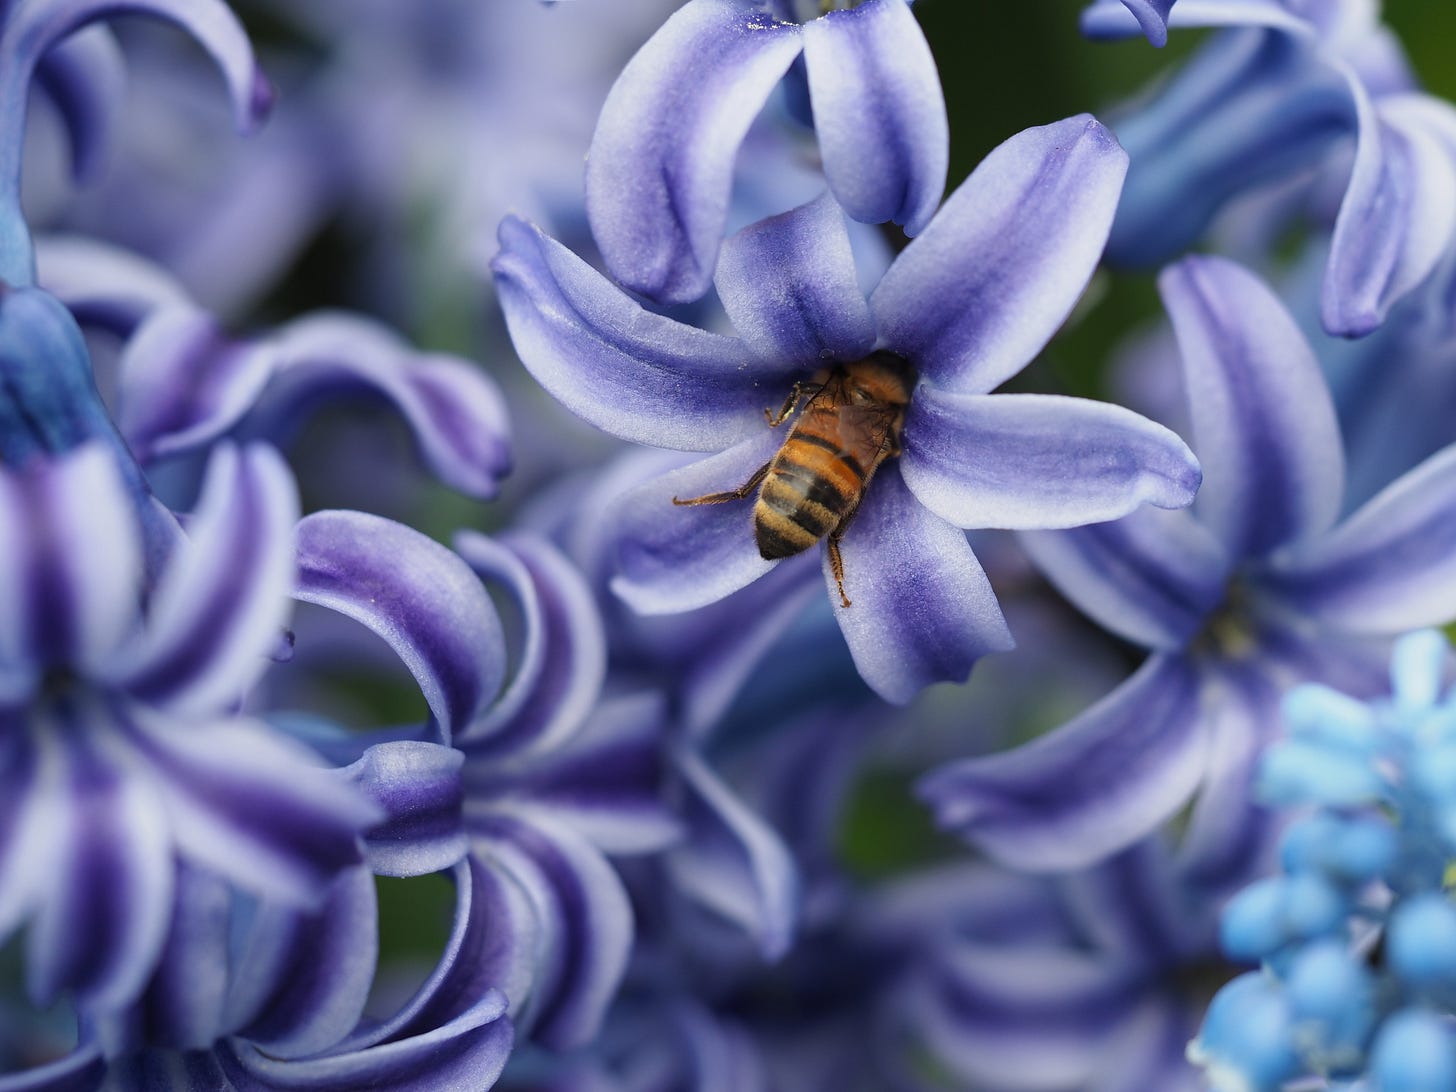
[(811, 485)]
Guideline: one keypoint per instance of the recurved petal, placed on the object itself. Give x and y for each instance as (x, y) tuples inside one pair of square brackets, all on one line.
[(83, 1070), (1399, 209), (879, 113), (976, 296), (105, 285), (220, 605), (1152, 16), (1091, 787), (1151, 577), (673, 557), (1039, 461), (788, 283), (420, 598), (417, 785), (85, 77), (660, 170), (1389, 567), (1123, 18), (922, 609), (1263, 421), (628, 371)]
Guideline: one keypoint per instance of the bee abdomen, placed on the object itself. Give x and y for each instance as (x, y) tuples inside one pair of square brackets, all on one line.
[(802, 501)]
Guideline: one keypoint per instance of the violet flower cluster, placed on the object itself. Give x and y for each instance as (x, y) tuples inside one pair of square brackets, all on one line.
[(420, 428)]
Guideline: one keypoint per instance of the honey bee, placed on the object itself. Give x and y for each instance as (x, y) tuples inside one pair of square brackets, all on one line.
[(813, 486)]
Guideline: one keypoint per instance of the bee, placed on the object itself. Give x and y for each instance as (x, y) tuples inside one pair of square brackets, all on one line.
[(813, 486)]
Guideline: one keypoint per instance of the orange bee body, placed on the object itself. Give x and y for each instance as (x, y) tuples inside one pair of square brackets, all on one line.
[(813, 486)]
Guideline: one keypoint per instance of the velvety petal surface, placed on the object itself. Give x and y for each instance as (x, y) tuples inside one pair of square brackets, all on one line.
[(1263, 421), (1088, 788), (1039, 461), (417, 786), (660, 170), (423, 600), (676, 558), (1152, 16), (789, 285), (879, 113), (976, 296), (922, 609), (632, 373), (1151, 577), (1391, 566)]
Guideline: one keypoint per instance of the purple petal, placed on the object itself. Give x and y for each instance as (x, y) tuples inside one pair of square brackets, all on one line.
[(733, 863), (1391, 566), (923, 611), (70, 561), (252, 805), (184, 382), (83, 1070), (301, 979), (84, 76), (634, 374), (453, 409), (879, 113), (1120, 18), (105, 285), (218, 609), (417, 785), (1086, 789), (564, 659), (583, 915), (1131, 906), (1148, 1050), (1152, 16), (1151, 577), (789, 285), (468, 1052), (975, 297), (660, 170), (421, 599), (1263, 421), (1039, 461), (1395, 222), (675, 558)]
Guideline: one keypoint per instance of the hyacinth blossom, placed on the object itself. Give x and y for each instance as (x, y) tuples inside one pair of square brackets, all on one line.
[(965, 306), (1254, 588), (1269, 98), (1357, 936), (660, 171)]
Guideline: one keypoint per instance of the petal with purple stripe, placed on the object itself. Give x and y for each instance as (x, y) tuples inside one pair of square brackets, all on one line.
[(789, 285), (979, 293), (879, 113), (1263, 420), (417, 785), (420, 598), (637, 375), (218, 609), (922, 609), (660, 170), (1039, 461), (105, 285), (84, 76), (1094, 785)]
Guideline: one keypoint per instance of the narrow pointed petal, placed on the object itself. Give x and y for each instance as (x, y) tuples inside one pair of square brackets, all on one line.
[(417, 785), (1152, 16), (220, 605), (1391, 566), (879, 113), (634, 374), (660, 171), (1039, 461), (789, 285), (975, 297), (564, 660), (1151, 577), (1396, 220), (104, 285), (734, 864), (85, 78), (1263, 421), (249, 804), (1122, 19), (1086, 789), (583, 914), (923, 611), (675, 558), (420, 598)]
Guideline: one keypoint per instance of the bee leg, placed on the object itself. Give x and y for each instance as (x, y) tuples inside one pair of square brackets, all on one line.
[(836, 565), (790, 404), (732, 495)]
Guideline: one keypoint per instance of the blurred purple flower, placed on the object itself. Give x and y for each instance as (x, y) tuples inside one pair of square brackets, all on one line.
[(1013, 249)]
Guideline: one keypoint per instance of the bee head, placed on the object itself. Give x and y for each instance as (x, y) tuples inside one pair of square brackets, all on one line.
[(879, 379)]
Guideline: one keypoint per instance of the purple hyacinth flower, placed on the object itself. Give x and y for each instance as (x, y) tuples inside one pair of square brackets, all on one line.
[(28, 31), (964, 307), (660, 171), (1253, 589), (1278, 93)]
